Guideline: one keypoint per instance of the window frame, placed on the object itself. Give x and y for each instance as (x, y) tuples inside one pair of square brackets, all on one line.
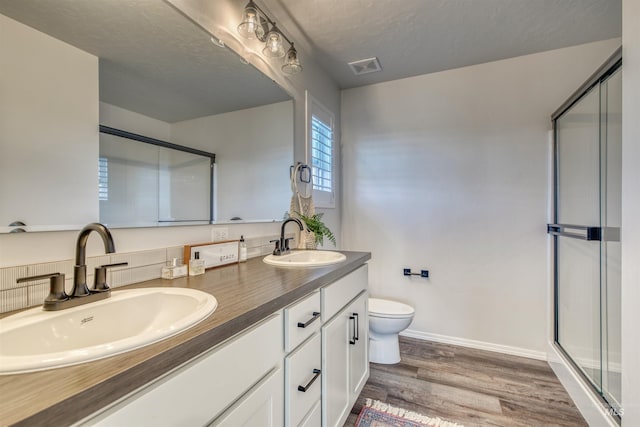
[(321, 198)]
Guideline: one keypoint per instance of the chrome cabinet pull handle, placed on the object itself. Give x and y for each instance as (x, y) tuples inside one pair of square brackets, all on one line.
[(303, 389), (315, 317)]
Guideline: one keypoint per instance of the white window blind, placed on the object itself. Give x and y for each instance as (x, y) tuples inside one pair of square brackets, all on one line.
[(103, 178), (321, 155), (321, 152)]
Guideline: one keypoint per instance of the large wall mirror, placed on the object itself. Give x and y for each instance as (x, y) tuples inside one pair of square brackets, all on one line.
[(69, 66)]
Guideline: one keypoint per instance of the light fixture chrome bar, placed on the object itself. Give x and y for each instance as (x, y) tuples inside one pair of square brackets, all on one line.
[(291, 63), (272, 23)]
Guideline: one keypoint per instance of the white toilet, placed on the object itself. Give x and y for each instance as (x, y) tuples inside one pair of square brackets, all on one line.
[(386, 320)]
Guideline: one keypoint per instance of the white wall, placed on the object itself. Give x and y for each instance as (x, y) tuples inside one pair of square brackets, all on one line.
[(630, 212), (253, 150), (130, 121), (49, 99), (449, 172)]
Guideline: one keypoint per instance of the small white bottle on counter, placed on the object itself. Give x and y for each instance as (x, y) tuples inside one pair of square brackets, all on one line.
[(243, 250), (196, 265)]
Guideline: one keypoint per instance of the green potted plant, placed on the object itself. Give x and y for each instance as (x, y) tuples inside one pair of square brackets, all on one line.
[(318, 228)]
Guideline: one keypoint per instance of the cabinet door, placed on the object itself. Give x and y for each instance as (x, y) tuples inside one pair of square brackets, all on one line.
[(358, 346), (335, 371), (262, 406)]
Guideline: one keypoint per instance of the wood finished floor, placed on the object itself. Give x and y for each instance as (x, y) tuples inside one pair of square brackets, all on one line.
[(470, 387)]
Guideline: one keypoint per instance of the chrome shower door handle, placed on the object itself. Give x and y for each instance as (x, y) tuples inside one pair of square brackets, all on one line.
[(581, 232)]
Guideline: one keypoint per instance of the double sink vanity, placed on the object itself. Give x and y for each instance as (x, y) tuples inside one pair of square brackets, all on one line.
[(263, 344)]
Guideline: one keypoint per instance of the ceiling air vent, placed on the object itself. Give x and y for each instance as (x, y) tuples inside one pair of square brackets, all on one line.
[(365, 66)]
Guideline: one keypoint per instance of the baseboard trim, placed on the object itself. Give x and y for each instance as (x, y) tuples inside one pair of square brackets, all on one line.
[(480, 345)]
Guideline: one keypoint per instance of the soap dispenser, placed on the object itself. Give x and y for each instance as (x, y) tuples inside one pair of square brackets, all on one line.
[(243, 250)]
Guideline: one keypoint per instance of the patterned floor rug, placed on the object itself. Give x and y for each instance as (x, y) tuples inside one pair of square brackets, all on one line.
[(378, 414)]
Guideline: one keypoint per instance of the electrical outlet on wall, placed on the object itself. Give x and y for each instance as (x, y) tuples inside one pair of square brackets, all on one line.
[(219, 234)]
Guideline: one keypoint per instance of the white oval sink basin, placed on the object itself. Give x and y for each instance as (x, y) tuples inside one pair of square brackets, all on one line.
[(305, 258), (35, 340)]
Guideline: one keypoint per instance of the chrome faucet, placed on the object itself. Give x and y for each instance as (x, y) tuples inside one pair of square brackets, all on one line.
[(58, 299), (282, 245)]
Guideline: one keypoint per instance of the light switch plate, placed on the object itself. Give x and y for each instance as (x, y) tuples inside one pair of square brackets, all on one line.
[(220, 234)]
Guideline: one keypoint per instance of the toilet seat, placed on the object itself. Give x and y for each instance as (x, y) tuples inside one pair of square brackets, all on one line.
[(389, 309)]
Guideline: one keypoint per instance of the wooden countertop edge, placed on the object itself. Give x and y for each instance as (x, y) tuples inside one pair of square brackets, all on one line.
[(101, 394)]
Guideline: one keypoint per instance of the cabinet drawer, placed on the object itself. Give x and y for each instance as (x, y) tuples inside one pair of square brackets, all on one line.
[(302, 369), (196, 392), (341, 292), (301, 320)]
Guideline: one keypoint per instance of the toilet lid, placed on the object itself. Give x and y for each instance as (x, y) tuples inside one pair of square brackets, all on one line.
[(385, 308)]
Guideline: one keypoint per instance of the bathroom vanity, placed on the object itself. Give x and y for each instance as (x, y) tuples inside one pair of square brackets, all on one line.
[(286, 346)]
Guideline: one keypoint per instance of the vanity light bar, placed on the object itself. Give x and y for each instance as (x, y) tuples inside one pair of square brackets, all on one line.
[(255, 24)]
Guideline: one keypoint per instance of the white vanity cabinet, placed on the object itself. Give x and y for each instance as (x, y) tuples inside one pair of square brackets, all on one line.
[(228, 378), (303, 366), (333, 364), (345, 358)]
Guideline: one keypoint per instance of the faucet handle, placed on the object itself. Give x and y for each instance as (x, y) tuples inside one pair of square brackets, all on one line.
[(56, 287), (277, 250), (100, 276), (286, 244)]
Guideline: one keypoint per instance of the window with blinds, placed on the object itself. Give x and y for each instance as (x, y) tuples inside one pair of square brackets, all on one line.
[(103, 178), (321, 155), (321, 152)]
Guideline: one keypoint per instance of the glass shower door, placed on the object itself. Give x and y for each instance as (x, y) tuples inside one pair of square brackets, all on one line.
[(588, 159), (611, 183), (578, 257)]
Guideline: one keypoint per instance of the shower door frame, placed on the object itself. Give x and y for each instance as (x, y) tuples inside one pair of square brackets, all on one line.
[(610, 66)]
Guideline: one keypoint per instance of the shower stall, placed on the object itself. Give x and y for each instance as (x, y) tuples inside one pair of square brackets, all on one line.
[(586, 231)]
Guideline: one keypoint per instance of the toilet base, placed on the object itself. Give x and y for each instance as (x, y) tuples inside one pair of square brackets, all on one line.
[(384, 349)]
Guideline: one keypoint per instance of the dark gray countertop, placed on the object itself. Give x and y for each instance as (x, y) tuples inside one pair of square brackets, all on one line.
[(246, 293)]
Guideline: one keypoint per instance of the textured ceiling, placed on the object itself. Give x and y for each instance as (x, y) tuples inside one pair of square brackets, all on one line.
[(412, 37), (156, 62), (153, 60)]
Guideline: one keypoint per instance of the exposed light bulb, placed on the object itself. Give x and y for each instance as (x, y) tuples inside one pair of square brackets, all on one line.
[(250, 21), (273, 47)]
